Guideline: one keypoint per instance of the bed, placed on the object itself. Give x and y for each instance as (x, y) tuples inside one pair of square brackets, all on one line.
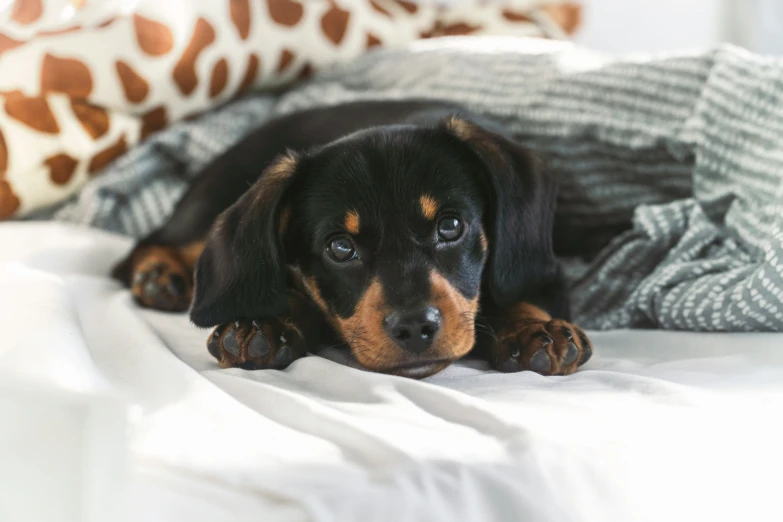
[(111, 413), (657, 426)]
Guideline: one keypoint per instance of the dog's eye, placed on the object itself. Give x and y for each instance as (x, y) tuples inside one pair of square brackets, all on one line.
[(341, 249), (450, 228)]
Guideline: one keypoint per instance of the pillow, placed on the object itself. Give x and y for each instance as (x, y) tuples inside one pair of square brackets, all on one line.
[(81, 81)]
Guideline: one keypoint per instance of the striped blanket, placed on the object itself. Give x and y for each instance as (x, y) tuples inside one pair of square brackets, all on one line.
[(670, 167)]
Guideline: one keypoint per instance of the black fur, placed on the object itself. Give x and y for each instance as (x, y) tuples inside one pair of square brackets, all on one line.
[(521, 196), (241, 275)]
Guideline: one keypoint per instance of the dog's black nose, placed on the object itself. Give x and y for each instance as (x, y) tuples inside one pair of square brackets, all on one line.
[(414, 330)]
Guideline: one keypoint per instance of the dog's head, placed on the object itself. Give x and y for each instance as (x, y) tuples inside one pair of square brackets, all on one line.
[(394, 232)]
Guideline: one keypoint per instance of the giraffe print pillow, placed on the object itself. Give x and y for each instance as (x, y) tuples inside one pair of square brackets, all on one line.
[(81, 81)]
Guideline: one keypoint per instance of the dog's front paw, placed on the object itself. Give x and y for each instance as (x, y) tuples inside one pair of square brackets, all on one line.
[(256, 345), (553, 347), (161, 280)]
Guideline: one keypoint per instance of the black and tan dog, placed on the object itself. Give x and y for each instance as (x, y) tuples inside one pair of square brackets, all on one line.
[(409, 234)]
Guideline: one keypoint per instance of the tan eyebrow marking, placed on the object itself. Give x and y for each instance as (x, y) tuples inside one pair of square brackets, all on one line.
[(429, 206), (461, 128), (351, 222), (484, 241)]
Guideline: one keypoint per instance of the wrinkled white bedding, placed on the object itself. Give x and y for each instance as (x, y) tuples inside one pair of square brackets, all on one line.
[(657, 426)]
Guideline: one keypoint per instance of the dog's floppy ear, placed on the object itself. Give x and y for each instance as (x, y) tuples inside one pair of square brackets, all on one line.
[(521, 197), (241, 274)]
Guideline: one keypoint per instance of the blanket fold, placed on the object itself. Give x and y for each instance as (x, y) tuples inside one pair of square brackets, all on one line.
[(684, 150)]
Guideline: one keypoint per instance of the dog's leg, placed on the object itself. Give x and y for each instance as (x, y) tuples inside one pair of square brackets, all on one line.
[(269, 343), (160, 267), (528, 338)]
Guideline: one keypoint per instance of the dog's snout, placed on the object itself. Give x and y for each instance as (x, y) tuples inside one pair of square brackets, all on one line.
[(414, 330)]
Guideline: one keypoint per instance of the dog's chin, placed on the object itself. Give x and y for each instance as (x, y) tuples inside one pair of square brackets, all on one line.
[(414, 369), (419, 369), (407, 365)]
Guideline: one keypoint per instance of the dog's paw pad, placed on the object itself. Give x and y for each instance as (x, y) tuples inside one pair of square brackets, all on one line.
[(258, 346), (231, 343), (177, 286), (540, 362), (214, 343), (572, 353), (587, 347)]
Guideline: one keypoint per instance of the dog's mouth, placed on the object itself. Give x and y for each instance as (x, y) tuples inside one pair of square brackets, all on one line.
[(418, 369)]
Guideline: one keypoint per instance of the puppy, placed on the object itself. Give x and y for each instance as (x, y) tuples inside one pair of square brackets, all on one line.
[(409, 233)]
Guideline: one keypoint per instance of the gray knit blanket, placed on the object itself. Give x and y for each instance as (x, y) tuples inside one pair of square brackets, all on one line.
[(683, 151)]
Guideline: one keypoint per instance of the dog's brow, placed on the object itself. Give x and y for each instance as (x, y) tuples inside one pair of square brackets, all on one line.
[(429, 206), (461, 128), (484, 241), (351, 222)]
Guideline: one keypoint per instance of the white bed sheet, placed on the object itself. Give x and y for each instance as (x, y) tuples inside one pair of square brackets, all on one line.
[(657, 426)]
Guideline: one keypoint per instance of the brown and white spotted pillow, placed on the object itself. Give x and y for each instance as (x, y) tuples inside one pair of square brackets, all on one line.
[(81, 81)]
